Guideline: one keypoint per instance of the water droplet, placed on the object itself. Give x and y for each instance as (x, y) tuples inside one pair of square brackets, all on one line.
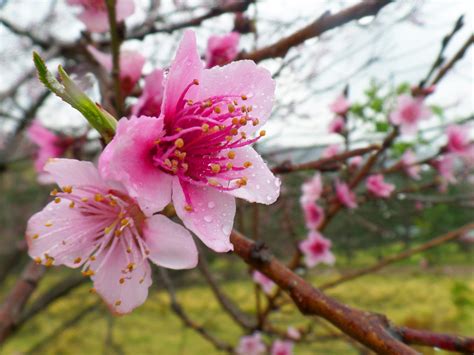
[(257, 187), (277, 182), (208, 219), (269, 198), (268, 181), (211, 204), (226, 229)]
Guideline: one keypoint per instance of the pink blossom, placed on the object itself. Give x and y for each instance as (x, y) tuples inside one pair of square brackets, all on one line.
[(330, 151), (282, 347), (445, 167), (131, 65), (340, 106), (355, 162), (198, 154), (49, 146), (94, 224), (222, 50), (337, 125), (317, 249), (345, 195), (458, 140), (94, 13), (251, 345), (313, 214), (312, 189), (265, 283), (419, 205), (293, 333), (408, 162), (375, 184), (409, 111), (149, 103)]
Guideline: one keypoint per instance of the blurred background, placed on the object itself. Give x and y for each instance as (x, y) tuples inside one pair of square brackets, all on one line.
[(370, 58)]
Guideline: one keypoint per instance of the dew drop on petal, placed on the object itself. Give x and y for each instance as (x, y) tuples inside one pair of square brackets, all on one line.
[(269, 198), (208, 219), (211, 204), (226, 229), (257, 187)]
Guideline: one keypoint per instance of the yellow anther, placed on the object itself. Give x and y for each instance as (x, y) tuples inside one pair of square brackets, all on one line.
[(249, 108), (231, 154), (54, 192), (92, 258), (242, 181), (179, 143), (118, 303), (88, 272), (131, 266), (217, 109), (72, 204), (244, 97), (196, 82), (141, 280), (38, 260), (178, 129), (36, 236), (244, 108), (262, 133), (229, 166), (98, 197), (247, 164), (216, 129), (48, 224), (121, 280), (124, 222), (49, 262), (157, 141), (118, 232), (256, 122), (235, 121), (129, 250), (215, 168), (57, 200), (234, 131), (213, 182), (243, 121), (188, 208), (84, 199), (189, 102), (112, 202), (67, 189), (174, 162), (228, 138), (92, 290), (231, 108), (108, 229), (205, 127), (235, 102), (168, 162), (243, 135), (77, 260)]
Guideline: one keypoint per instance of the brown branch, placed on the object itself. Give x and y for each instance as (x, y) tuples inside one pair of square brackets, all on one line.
[(241, 318), (373, 330), (287, 167), (324, 23), (403, 255), (178, 310), (448, 342), (15, 301)]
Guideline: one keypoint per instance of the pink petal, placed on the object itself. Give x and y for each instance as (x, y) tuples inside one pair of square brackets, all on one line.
[(170, 244), (185, 68), (122, 297), (262, 186), (243, 77), (149, 103), (127, 159), (95, 21), (124, 8), (62, 233), (212, 217), (75, 173), (104, 59)]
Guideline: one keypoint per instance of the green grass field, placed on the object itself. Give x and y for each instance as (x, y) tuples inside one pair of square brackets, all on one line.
[(438, 299)]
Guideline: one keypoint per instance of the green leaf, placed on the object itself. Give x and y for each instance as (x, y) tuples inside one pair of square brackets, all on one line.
[(68, 91), (382, 126), (403, 88), (437, 110)]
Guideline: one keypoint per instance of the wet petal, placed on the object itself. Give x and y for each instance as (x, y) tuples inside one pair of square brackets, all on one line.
[(74, 172)]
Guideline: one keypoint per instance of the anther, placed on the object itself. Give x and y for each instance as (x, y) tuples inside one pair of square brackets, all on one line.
[(196, 82), (121, 280), (247, 164), (67, 189), (48, 224), (231, 154), (262, 133), (72, 204), (118, 303), (179, 143), (213, 182), (36, 236), (92, 258), (131, 267), (205, 127), (229, 166), (188, 208), (92, 290), (215, 168), (84, 199), (157, 141), (88, 272), (231, 108), (57, 200), (54, 192), (234, 131), (243, 121), (235, 121), (38, 260), (77, 260), (217, 109), (244, 97)]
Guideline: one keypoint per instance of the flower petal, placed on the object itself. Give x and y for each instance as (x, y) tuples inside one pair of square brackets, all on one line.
[(212, 216), (185, 68), (124, 8), (122, 289), (170, 244), (95, 21), (262, 186), (127, 159), (243, 77), (74, 172), (62, 233)]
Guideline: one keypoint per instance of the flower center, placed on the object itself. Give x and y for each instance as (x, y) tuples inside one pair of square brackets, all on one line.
[(317, 248), (200, 140), (96, 5)]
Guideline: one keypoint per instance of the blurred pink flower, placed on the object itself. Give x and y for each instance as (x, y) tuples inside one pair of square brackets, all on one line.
[(317, 249), (293, 333), (375, 184), (94, 224), (313, 214), (282, 347), (94, 13), (445, 167), (222, 50), (337, 125), (265, 283), (330, 151), (251, 345), (419, 205), (131, 65), (198, 152), (408, 160), (312, 189), (355, 162), (340, 106), (458, 139), (49, 145), (409, 111), (345, 196), (149, 102)]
